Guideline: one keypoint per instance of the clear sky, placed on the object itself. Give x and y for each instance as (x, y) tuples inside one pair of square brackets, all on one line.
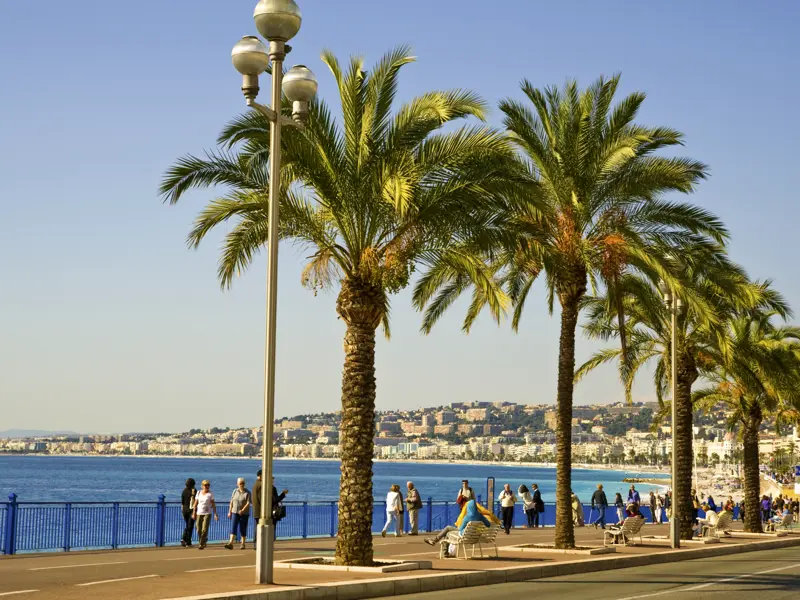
[(108, 323)]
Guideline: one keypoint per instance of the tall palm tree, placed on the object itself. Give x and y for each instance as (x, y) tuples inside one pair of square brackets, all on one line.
[(711, 287), (371, 195), (594, 210), (758, 380)]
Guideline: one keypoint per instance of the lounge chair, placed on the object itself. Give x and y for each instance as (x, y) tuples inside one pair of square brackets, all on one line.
[(722, 525), (475, 534), (785, 524), (630, 528)]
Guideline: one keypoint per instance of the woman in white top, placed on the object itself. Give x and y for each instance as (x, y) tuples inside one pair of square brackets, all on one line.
[(659, 509), (507, 501), (204, 506), (527, 503), (394, 510)]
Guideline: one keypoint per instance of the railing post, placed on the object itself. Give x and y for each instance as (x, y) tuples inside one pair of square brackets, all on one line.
[(161, 521), (333, 519), (10, 541), (305, 520), (115, 526), (67, 525), (430, 514), (446, 513)]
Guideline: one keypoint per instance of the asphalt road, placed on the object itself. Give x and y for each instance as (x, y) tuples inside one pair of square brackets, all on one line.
[(765, 575)]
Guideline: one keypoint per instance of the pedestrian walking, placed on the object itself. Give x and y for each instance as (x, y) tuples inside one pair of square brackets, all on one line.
[(634, 497), (465, 493), (204, 507), (239, 513), (766, 509), (652, 506), (695, 506), (538, 504), (507, 501), (278, 509), (187, 505), (413, 504), (394, 510), (659, 508), (600, 502), (527, 503), (619, 504), (577, 511)]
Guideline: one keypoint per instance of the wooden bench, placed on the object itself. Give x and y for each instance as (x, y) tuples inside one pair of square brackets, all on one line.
[(474, 534)]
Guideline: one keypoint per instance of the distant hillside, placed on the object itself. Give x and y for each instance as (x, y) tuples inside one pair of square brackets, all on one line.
[(21, 433)]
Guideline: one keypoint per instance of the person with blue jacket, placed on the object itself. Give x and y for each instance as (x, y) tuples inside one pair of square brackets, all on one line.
[(471, 513)]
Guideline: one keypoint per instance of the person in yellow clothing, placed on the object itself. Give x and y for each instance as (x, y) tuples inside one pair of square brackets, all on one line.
[(471, 511)]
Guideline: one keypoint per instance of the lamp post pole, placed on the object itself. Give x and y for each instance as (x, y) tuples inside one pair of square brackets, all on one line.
[(674, 305), (278, 21)]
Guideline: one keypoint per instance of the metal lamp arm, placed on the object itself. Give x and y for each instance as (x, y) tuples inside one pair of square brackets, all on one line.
[(272, 115)]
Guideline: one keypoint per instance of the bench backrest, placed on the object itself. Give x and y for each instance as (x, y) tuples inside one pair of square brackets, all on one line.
[(787, 520), (472, 532), (488, 535), (632, 525), (724, 520)]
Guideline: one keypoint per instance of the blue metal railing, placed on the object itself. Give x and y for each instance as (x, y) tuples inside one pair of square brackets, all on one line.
[(65, 526)]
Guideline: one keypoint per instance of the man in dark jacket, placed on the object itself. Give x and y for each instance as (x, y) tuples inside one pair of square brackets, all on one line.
[(187, 506), (600, 502), (538, 505)]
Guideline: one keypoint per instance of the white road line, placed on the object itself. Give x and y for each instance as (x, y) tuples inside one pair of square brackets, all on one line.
[(221, 569), (205, 556), (705, 585), (231, 555), (121, 562), (114, 580), (17, 592)]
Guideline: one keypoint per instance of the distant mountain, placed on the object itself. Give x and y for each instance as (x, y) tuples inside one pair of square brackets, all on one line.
[(21, 433)]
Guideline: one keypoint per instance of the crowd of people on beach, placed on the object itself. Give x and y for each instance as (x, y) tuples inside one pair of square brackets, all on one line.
[(198, 507)]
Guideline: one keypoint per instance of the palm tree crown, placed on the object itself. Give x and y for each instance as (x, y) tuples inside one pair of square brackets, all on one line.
[(592, 210), (372, 195)]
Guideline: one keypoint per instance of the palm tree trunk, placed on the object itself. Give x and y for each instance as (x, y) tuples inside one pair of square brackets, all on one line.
[(752, 479), (565, 533), (687, 374), (359, 306)]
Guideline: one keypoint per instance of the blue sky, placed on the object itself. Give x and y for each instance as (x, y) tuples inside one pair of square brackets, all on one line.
[(109, 323)]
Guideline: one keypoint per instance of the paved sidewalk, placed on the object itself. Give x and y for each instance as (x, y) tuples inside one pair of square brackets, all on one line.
[(156, 574)]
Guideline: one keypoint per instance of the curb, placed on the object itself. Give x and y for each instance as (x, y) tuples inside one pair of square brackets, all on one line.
[(396, 586)]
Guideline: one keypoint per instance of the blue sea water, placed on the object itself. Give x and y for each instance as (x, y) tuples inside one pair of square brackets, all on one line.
[(103, 479)]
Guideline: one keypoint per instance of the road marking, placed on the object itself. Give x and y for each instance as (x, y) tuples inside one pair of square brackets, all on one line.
[(705, 585), (121, 562), (230, 555), (221, 569), (205, 556), (115, 580), (17, 592)]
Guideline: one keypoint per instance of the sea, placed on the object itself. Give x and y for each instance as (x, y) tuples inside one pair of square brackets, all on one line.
[(120, 479)]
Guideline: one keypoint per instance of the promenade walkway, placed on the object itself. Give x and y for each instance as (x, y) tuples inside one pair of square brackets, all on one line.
[(157, 574)]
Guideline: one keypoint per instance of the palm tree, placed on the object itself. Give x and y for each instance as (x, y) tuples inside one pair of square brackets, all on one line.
[(758, 379), (594, 210), (711, 286), (371, 194)]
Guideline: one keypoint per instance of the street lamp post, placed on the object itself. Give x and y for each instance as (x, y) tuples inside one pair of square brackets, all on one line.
[(278, 21), (674, 305)]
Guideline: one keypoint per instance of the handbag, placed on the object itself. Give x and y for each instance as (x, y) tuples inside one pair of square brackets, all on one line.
[(278, 512)]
